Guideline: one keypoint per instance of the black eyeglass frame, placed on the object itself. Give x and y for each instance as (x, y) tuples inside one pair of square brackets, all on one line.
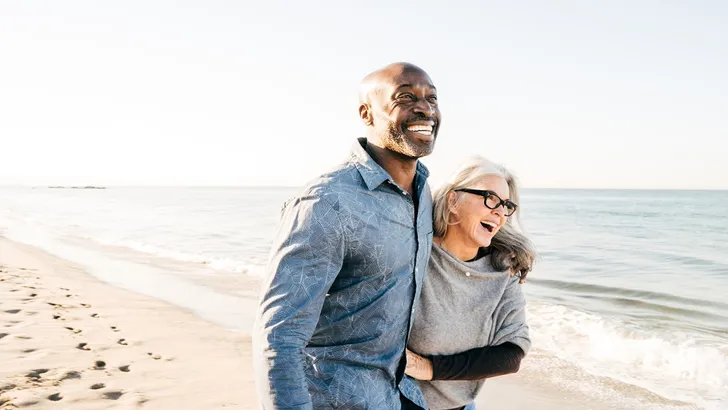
[(485, 194)]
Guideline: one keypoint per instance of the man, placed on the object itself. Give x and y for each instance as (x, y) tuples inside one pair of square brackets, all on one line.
[(348, 259)]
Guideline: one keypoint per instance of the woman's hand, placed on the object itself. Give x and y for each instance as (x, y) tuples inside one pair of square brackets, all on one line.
[(418, 367)]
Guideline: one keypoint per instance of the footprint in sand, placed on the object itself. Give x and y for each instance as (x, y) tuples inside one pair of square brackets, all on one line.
[(55, 397), (95, 315), (4, 400), (83, 346), (113, 395), (86, 305), (23, 337), (100, 365), (3, 335), (13, 311), (76, 331), (28, 350), (114, 328), (154, 356), (125, 368), (36, 374), (7, 387), (71, 375), (123, 342), (98, 386)]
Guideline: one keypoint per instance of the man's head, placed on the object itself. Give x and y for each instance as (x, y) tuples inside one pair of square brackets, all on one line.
[(398, 105)]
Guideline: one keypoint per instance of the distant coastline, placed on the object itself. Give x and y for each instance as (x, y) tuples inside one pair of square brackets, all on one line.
[(77, 187)]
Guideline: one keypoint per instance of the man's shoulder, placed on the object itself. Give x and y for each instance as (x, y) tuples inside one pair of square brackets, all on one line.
[(336, 186)]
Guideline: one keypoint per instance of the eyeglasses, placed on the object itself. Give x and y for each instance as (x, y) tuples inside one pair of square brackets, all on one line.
[(492, 200)]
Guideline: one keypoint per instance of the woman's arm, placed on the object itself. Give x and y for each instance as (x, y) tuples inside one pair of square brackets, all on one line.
[(510, 343), (479, 363), (474, 364)]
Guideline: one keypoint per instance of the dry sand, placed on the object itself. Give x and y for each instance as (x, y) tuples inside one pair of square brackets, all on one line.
[(69, 341)]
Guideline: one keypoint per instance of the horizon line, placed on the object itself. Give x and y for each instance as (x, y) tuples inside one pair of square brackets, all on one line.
[(96, 186)]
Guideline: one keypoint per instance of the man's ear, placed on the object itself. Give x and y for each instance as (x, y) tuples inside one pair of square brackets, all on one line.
[(365, 113)]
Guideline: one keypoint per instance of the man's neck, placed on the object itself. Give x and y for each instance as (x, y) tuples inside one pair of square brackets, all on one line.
[(402, 169)]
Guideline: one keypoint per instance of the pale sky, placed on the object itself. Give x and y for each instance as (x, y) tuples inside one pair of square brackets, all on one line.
[(568, 94)]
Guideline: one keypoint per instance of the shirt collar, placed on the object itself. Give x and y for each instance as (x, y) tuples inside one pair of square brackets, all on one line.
[(373, 173)]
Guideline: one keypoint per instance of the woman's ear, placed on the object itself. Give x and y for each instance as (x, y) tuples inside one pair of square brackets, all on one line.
[(452, 202)]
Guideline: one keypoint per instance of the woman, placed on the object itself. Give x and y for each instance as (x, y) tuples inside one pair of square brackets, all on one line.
[(470, 319)]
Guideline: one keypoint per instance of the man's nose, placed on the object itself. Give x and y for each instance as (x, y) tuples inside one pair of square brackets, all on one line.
[(424, 107)]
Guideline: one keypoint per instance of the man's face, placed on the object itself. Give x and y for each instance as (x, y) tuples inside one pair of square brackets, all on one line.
[(405, 114)]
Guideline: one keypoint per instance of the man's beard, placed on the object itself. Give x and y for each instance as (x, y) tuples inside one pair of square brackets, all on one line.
[(398, 142)]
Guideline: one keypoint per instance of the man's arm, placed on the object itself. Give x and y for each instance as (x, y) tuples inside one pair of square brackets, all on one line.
[(306, 257)]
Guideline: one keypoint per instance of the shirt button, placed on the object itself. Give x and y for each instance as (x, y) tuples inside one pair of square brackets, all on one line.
[(467, 273)]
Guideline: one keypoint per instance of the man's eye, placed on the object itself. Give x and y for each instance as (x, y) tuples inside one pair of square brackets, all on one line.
[(406, 96), (432, 99)]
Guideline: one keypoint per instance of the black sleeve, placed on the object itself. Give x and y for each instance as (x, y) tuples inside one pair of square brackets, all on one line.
[(478, 363)]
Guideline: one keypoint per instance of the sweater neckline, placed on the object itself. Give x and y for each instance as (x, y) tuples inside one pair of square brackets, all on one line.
[(480, 266)]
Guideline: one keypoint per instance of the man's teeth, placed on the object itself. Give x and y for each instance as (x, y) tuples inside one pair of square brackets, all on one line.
[(422, 129)]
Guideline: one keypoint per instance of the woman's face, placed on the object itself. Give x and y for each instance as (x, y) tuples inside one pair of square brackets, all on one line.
[(475, 223)]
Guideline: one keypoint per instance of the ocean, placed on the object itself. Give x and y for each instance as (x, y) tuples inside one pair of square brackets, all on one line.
[(628, 301)]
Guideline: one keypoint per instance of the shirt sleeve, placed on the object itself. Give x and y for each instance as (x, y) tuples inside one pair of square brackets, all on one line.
[(509, 344), (478, 363), (306, 257)]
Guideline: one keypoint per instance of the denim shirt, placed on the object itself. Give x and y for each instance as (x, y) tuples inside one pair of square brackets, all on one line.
[(346, 265)]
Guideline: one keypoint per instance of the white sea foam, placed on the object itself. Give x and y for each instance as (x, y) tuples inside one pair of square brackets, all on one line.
[(219, 264), (676, 365)]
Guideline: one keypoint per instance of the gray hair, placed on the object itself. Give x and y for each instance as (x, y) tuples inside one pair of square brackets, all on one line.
[(510, 248)]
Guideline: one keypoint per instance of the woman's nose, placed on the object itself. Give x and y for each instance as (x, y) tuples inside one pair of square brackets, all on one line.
[(500, 211)]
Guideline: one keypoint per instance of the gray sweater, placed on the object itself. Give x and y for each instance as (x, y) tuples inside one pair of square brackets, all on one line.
[(464, 305)]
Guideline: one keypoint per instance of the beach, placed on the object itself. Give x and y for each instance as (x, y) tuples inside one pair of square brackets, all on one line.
[(70, 341)]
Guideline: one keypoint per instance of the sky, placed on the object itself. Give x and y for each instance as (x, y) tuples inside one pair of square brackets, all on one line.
[(567, 94)]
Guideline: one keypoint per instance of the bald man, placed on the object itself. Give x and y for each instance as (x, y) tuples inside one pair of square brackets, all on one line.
[(348, 260)]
